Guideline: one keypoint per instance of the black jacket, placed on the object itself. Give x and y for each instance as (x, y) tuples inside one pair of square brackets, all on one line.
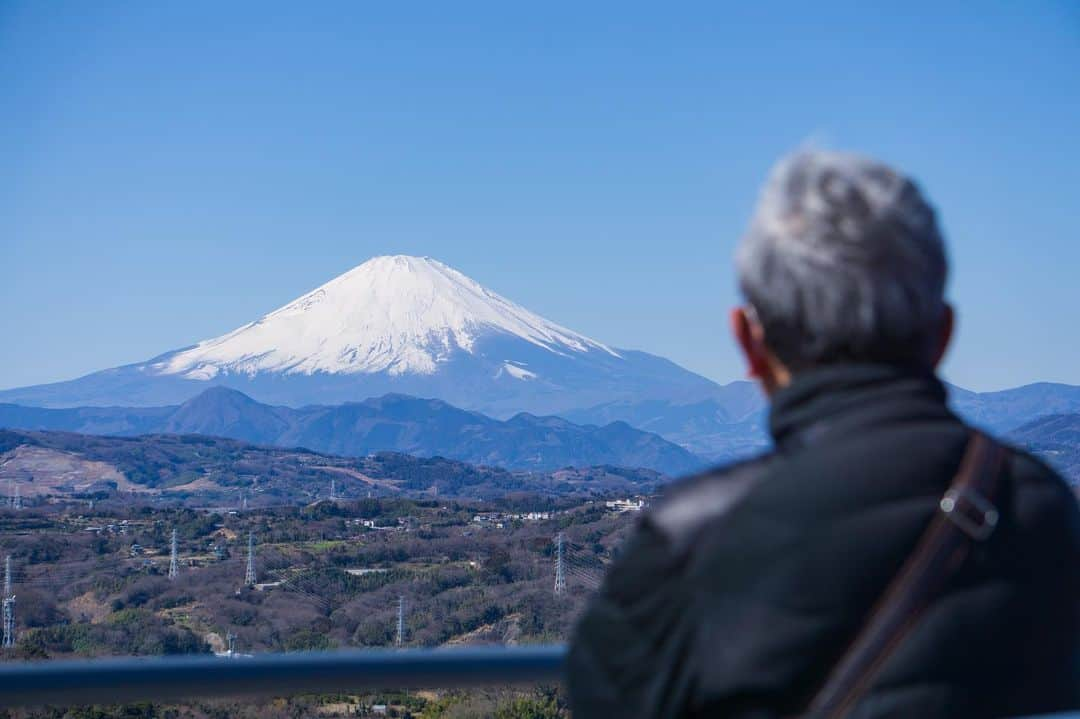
[(741, 587)]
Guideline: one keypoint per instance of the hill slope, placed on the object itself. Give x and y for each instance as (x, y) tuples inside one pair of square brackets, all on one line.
[(1056, 440), (211, 470)]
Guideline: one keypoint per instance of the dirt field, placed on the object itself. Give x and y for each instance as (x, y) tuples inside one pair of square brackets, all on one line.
[(40, 471)]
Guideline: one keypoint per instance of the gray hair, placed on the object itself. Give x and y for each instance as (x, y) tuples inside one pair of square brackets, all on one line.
[(843, 262)]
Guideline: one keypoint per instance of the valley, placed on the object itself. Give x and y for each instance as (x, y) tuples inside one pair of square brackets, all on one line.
[(97, 582)]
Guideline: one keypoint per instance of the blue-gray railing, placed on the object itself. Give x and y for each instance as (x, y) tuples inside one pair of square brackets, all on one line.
[(136, 679)]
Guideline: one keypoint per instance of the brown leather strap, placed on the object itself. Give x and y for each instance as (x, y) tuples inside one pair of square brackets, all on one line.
[(966, 516)]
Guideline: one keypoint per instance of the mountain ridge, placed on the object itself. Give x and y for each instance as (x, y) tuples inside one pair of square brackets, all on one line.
[(196, 469), (1055, 439), (734, 420), (393, 422)]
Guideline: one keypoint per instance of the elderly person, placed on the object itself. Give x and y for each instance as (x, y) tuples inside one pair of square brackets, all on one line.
[(884, 560)]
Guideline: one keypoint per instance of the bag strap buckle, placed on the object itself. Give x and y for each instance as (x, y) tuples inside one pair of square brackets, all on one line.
[(969, 510)]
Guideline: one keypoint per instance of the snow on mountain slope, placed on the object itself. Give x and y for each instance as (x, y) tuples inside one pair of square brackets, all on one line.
[(396, 314), (398, 324)]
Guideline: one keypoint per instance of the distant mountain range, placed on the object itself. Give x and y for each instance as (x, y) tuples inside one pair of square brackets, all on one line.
[(642, 434), (197, 469), (1006, 410), (396, 326), (421, 427), (729, 422), (733, 420)]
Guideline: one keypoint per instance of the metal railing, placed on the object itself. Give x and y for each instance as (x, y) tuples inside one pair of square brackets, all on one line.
[(175, 679), (136, 679)]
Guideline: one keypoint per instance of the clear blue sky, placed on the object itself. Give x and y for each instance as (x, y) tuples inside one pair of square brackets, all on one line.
[(169, 171)]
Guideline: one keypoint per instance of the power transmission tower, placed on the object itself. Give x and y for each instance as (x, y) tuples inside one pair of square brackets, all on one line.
[(9, 606), (400, 621), (243, 501), (333, 494), (9, 621), (173, 565), (249, 574), (560, 575)]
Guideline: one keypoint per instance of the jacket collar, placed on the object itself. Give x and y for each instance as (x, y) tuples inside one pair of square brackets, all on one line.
[(847, 397)]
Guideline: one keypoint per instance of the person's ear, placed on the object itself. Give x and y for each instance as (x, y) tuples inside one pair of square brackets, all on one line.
[(945, 335), (750, 337)]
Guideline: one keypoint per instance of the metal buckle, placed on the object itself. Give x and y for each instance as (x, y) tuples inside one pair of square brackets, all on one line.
[(977, 530)]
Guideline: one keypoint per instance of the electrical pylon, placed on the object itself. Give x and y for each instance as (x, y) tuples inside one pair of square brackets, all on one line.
[(173, 563), (9, 606), (400, 621), (249, 574), (9, 621), (560, 574)]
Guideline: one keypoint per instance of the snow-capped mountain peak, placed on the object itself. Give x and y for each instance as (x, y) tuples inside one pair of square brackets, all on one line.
[(394, 314), (404, 325)]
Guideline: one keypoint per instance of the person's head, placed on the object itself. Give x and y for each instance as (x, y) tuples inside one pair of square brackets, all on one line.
[(843, 263)]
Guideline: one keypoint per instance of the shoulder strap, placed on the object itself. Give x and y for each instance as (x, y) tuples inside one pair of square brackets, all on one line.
[(967, 515)]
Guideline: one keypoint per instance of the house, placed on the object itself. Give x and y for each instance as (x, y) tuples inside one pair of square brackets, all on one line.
[(626, 505)]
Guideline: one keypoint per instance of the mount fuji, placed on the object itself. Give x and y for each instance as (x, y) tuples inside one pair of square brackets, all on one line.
[(394, 324)]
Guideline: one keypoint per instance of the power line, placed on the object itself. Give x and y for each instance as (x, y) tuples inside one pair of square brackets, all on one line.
[(588, 580), (293, 584), (574, 563), (593, 564)]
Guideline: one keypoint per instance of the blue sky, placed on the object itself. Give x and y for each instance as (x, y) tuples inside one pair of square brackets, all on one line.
[(171, 171)]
